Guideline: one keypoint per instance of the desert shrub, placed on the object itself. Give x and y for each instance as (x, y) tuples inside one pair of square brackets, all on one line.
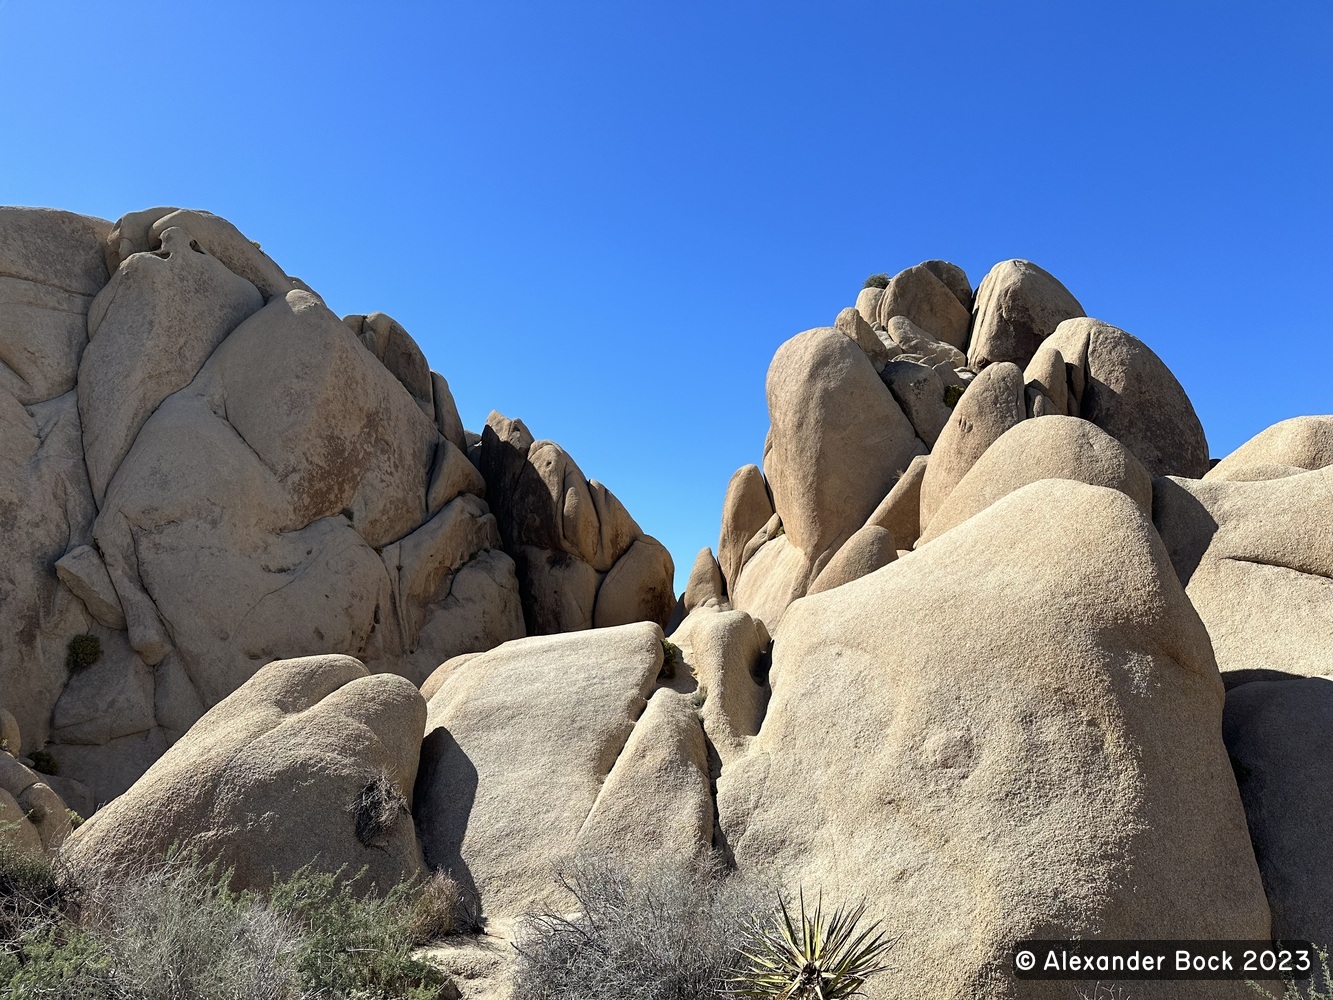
[(43, 762), (354, 943), (877, 281), (83, 651), (1318, 987), (671, 659), (30, 893), (952, 394), (441, 907), (668, 934), (814, 957), (377, 808)]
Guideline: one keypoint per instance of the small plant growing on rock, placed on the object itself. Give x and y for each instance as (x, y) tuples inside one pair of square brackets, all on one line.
[(877, 281), (952, 394), (44, 763), (1318, 987), (813, 958), (83, 651), (671, 659), (442, 907), (377, 808)]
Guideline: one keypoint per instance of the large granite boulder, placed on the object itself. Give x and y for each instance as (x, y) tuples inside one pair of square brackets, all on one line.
[(1013, 732), (1018, 305), (1256, 559), (1289, 447), (311, 760)]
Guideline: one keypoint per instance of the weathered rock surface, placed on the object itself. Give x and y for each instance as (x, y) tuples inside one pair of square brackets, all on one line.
[(1116, 382), (727, 656), (313, 759), (920, 295), (1045, 448), (1018, 305), (582, 560), (1078, 786), (520, 743), (1287, 448), (1280, 737), (746, 508), (1256, 559), (866, 551)]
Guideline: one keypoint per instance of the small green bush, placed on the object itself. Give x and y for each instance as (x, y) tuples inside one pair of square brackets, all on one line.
[(877, 281), (83, 651), (671, 659), (1318, 987), (43, 762), (952, 394)]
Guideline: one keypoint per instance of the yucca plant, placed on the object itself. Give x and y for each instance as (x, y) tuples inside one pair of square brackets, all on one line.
[(811, 959)]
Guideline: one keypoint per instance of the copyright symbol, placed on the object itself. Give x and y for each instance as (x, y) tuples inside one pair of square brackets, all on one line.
[(1025, 961)]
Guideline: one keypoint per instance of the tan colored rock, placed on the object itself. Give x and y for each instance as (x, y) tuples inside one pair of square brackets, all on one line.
[(727, 654), (899, 512), (656, 806), (918, 294), (224, 241), (558, 591), (705, 583), (745, 510), (1256, 559), (852, 325), (1289, 446), (11, 737), (81, 570), (993, 403), (47, 812), (1280, 738), (1080, 787), (954, 278), (1124, 388), (866, 551), (16, 831), (839, 440), (446, 413), (270, 780), (112, 698), (1018, 305), (916, 342), (1045, 448), (919, 393), (45, 508), (385, 338), (51, 265), (150, 331), (1046, 377), (867, 304), (638, 588), (777, 574), (519, 743)]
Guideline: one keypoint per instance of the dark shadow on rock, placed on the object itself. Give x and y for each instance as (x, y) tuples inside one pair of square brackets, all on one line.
[(1184, 524), (442, 800)]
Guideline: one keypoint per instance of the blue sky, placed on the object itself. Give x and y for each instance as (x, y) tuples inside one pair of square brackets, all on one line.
[(605, 217)]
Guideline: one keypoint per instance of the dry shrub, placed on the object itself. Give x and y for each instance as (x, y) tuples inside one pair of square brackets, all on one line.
[(668, 934), (377, 808)]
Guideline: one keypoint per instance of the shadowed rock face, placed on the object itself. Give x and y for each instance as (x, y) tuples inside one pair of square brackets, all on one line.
[(205, 469)]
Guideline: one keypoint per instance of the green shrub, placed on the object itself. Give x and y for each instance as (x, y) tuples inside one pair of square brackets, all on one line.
[(671, 659), (83, 651), (666, 934), (952, 394), (43, 762), (813, 958), (877, 281), (1318, 987)]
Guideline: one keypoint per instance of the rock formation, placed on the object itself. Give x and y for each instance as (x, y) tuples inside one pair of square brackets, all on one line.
[(203, 469), (985, 641)]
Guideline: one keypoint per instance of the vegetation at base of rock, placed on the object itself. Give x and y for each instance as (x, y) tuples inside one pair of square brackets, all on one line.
[(952, 394), (377, 808), (671, 659), (442, 907), (43, 762), (812, 958), (1318, 987), (669, 934), (877, 281), (83, 651), (174, 929)]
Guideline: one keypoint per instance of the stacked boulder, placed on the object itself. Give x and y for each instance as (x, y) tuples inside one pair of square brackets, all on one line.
[(203, 469)]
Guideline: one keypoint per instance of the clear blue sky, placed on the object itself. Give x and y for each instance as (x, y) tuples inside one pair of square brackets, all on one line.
[(604, 218)]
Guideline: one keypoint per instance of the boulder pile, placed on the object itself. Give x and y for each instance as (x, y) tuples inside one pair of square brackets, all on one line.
[(988, 641)]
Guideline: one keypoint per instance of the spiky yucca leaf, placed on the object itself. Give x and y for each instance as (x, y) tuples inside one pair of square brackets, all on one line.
[(813, 958)]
